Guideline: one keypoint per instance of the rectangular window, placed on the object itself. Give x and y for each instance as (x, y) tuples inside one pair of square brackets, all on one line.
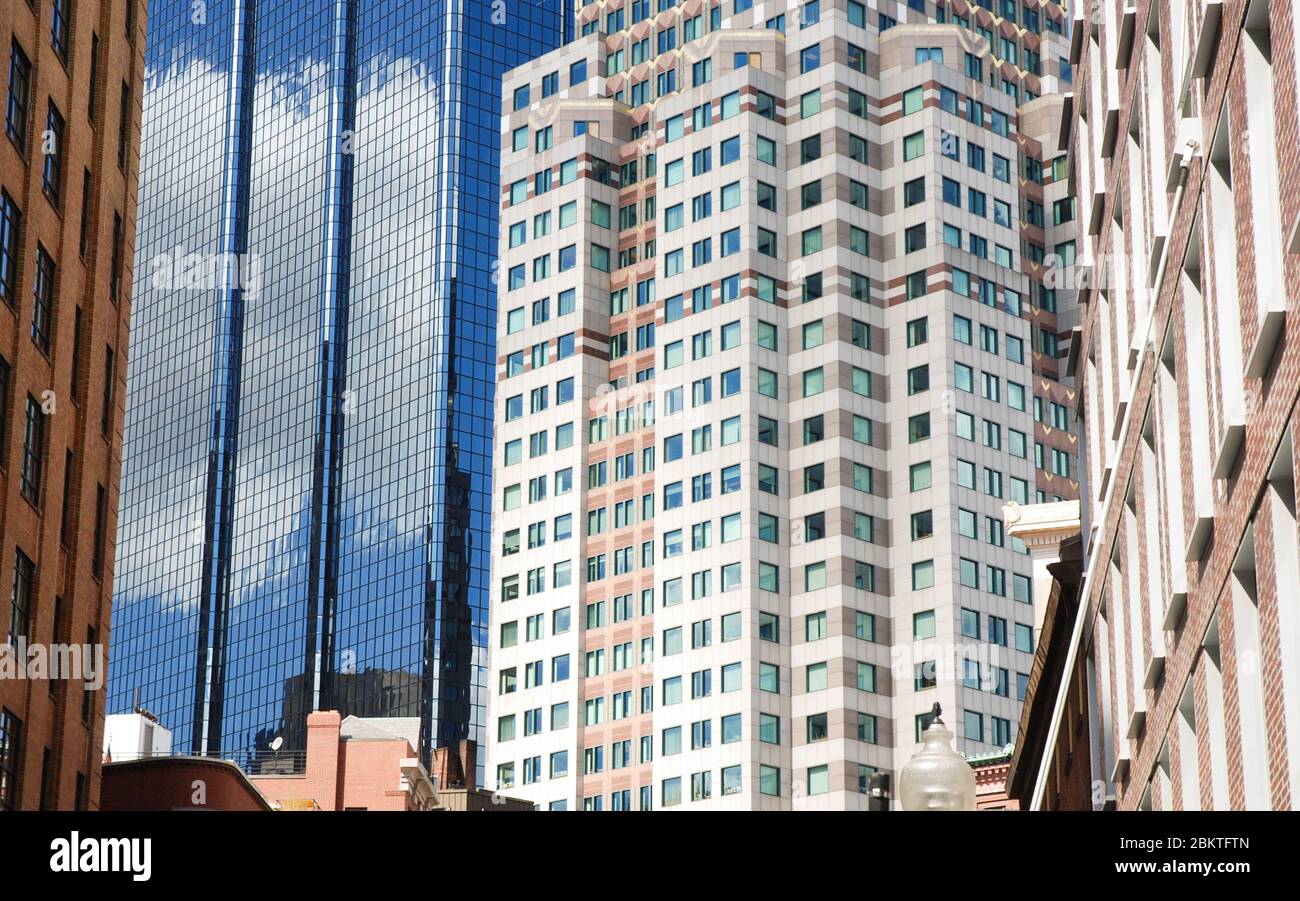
[(33, 451), (11, 748), (115, 271), (110, 392), (20, 616), (123, 125), (914, 192), (65, 513), (60, 26), (913, 100), (20, 77), (43, 297), (5, 383), (914, 146), (10, 244), (52, 170), (922, 578)]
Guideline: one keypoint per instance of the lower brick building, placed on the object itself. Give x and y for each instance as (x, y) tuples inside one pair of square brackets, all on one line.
[(345, 763), (177, 783), (354, 764)]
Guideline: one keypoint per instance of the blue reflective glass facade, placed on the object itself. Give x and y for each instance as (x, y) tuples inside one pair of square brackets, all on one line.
[(308, 451)]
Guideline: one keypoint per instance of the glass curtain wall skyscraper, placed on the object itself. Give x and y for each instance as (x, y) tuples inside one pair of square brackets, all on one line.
[(307, 460)]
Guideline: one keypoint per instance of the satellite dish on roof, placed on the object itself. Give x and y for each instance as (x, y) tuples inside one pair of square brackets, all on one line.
[(277, 743)]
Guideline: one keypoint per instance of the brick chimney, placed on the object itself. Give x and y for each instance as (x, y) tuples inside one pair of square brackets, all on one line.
[(323, 749), (456, 767), (469, 763), (446, 768)]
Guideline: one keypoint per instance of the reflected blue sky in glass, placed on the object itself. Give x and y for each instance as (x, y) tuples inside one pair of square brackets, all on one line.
[(408, 586)]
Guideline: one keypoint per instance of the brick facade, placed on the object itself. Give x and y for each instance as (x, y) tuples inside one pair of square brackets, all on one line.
[(72, 199), (1190, 372), (354, 764)]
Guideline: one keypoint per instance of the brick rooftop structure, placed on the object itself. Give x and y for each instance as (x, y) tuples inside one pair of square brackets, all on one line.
[(991, 780), (355, 764)]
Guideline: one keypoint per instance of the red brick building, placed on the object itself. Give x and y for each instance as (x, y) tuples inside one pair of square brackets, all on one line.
[(350, 763), (1186, 164), (355, 764), (71, 83)]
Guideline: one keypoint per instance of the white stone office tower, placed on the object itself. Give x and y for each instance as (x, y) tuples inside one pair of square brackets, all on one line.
[(774, 349)]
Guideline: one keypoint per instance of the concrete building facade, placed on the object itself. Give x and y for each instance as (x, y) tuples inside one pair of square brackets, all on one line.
[(777, 339), (71, 84), (1184, 131)]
